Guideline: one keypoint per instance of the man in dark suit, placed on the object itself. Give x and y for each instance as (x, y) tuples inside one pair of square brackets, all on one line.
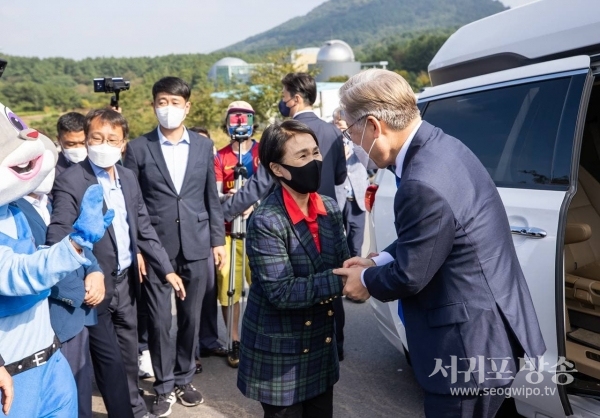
[(466, 304), (175, 170), (69, 130), (113, 341)]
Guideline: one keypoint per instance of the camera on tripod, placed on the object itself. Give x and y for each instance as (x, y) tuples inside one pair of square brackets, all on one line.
[(240, 124), (111, 85)]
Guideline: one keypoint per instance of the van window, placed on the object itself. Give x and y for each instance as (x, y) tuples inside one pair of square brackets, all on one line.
[(515, 131)]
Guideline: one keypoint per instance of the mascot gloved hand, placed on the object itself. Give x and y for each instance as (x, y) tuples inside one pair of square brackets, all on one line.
[(91, 224)]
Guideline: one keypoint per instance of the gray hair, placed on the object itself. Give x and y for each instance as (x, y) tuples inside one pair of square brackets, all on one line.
[(383, 94)]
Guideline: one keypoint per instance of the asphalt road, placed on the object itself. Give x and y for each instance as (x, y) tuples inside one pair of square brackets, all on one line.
[(375, 380)]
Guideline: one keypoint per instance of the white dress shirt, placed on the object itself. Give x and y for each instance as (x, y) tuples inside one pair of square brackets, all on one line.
[(40, 204), (114, 199), (384, 257), (176, 156)]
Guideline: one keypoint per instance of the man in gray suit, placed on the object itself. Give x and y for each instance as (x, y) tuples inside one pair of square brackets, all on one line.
[(468, 313), (175, 170)]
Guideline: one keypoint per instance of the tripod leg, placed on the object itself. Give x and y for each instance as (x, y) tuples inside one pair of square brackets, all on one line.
[(244, 297), (230, 293)]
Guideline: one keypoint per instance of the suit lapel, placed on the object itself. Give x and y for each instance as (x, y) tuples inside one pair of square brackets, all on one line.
[(193, 156), (159, 158), (128, 192), (90, 177), (304, 237)]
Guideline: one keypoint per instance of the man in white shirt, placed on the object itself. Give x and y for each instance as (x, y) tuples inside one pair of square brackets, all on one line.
[(175, 170)]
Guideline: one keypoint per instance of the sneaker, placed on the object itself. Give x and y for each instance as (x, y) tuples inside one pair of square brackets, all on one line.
[(149, 415), (145, 365), (233, 357), (161, 407), (188, 395)]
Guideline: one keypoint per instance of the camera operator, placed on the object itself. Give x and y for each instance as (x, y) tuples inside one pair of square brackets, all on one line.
[(239, 117)]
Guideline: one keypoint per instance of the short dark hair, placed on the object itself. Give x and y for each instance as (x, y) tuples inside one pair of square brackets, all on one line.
[(172, 85), (272, 142), (69, 122), (302, 84), (200, 130), (107, 116)]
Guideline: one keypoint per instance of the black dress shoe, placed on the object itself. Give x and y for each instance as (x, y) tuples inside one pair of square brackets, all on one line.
[(198, 368), (219, 352)]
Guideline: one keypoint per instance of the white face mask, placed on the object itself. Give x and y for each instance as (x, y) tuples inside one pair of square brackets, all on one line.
[(362, 155), (46, 186), (104, 155), (170, 117), (75, 155)]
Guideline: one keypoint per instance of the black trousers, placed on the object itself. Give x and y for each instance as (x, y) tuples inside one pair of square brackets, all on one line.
[(320, 406), (142, 318), (114, 350), (448, 406), (354, 224), (209, 331), (173, 359), (77, 352)]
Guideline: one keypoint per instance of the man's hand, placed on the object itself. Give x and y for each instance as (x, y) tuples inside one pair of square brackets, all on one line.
[(141, 267), (247, 212), (358, 262), (353, 286), (94, 288), (7, 389), (220, 256), (177, 284)]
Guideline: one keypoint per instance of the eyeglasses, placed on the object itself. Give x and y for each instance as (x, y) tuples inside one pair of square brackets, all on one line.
[(346, 133), (113, 142)]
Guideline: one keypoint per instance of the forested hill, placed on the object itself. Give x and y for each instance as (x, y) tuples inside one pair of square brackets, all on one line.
[(361, 22)]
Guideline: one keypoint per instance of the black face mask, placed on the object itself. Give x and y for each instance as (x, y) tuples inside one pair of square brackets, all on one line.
[(305, 179)]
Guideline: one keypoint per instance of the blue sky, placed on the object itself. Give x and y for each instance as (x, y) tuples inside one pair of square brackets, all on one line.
[(124, 28)]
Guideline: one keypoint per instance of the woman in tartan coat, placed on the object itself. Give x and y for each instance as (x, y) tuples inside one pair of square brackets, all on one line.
[(288, 355)]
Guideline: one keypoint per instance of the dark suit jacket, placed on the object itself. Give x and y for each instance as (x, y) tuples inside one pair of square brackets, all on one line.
[(331, 146), (191, 220), (68, 313), (68, 192), (456, 268), (62, 164), (288, 347), (333, 173)]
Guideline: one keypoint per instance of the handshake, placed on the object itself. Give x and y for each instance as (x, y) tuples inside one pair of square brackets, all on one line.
[(351, 273)]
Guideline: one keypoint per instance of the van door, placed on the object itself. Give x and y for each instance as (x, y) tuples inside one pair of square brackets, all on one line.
[(523, 124)]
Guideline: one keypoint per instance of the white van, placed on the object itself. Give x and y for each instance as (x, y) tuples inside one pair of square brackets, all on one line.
[(522, 89)]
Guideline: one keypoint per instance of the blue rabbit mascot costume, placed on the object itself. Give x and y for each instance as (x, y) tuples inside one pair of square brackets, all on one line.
[(29, 352)]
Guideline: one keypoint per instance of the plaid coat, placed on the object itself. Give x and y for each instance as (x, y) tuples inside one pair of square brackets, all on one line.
[(288, 349)]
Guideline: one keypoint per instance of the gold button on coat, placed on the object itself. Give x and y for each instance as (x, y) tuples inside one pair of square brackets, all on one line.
[(330, 313), (305, 350), (308, 323), (328, 340)]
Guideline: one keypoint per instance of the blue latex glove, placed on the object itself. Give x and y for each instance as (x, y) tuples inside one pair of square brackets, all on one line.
[(91, 224)]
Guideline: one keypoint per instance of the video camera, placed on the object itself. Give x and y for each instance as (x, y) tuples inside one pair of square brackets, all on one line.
[(2, 67), (111, 85), (240, 125)]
